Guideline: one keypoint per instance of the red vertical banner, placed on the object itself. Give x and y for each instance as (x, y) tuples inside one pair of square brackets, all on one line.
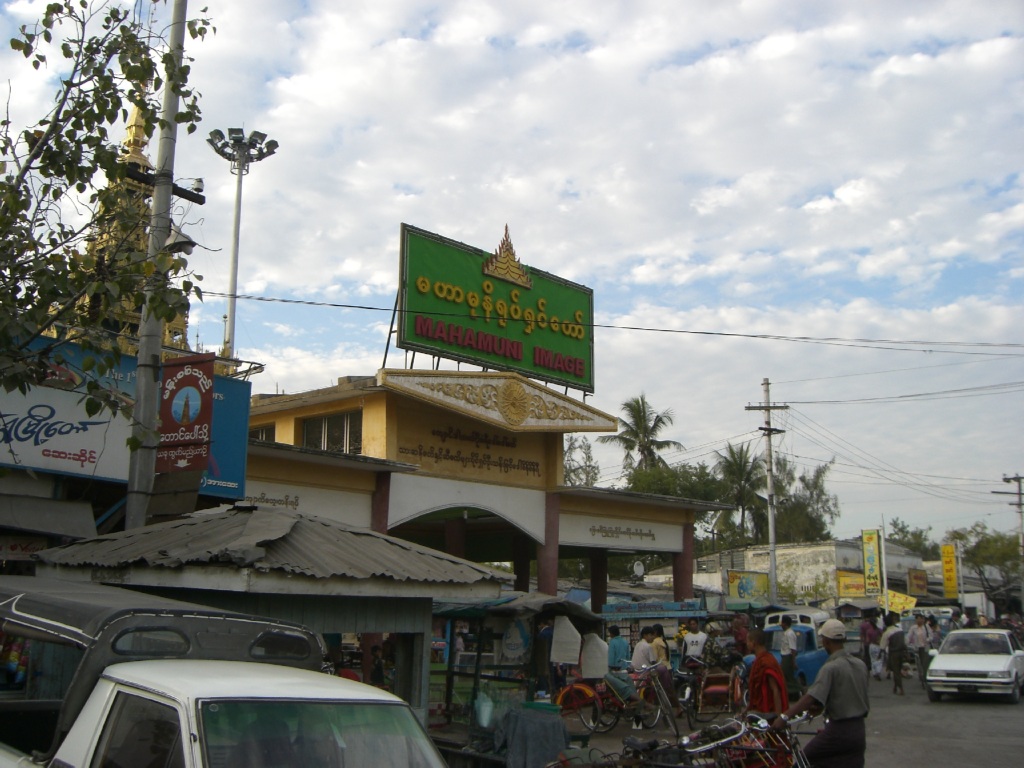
[(186, 414)]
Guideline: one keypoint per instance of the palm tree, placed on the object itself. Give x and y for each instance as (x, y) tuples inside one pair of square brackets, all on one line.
[(640, 427), (743, 473)]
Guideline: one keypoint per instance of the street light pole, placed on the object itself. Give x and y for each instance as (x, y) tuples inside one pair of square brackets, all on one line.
[(241, 152)]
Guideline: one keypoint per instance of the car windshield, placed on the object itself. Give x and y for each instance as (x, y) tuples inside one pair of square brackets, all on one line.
[(262, 732), (976, 643)]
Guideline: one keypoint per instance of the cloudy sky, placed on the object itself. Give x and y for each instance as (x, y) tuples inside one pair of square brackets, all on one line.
[(826, 195)]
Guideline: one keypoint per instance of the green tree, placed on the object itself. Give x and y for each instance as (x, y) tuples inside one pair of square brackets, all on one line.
[(687, 481), (994, 557), (579, 465), (640, 428), (55, 190), (917, 540), (805, 508), (743, 473)]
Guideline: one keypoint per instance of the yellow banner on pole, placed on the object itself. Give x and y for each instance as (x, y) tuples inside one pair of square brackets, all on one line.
[(870, 542), (898, 602), (949, 575)]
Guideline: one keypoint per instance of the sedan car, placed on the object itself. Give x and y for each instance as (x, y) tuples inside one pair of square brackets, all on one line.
[(977, 661)]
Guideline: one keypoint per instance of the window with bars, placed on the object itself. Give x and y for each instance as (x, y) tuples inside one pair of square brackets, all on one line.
[(339, 433)]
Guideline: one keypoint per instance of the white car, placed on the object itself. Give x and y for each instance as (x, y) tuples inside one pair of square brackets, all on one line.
[(977, 661)]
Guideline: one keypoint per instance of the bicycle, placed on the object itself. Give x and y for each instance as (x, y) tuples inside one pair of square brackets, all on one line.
[(732, 744), (599, 706)]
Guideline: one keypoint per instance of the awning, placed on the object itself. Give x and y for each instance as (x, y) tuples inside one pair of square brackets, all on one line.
[(73, 519)]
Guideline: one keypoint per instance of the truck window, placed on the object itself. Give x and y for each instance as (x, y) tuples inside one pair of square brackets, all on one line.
[(140, 733), (267, 733)]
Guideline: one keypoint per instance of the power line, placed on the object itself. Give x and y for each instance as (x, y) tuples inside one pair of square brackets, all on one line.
[(915, 345), (946, 394)]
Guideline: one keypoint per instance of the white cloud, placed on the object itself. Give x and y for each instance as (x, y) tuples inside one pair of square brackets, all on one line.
[(780, 168)]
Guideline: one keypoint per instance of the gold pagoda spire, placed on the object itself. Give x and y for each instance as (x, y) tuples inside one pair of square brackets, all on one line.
[(136, 140)]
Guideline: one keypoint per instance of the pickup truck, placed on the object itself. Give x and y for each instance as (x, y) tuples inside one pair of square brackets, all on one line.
[(810, 656), (110, 678)]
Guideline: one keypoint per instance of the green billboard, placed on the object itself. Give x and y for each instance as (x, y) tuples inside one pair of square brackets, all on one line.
[(465, 304)]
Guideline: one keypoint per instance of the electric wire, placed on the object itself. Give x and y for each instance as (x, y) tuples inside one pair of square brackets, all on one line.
[(915, 345)]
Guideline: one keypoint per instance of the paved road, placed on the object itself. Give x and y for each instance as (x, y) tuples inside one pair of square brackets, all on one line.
[(909, 731)]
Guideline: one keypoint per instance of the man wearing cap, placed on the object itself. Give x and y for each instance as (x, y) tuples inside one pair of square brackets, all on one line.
[(841, 690)]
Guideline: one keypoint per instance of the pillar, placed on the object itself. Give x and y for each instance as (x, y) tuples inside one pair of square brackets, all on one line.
[(682, 567), (455, 537), (547, 552), (380, 504), (521, 559), (598, 580)]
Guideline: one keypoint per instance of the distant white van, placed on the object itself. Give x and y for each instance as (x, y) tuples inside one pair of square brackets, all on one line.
[(812, 616)]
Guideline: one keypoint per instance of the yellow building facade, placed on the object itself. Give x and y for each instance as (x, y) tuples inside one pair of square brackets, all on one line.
[(469, 463)]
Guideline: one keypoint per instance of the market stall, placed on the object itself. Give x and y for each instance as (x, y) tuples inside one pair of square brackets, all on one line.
[(490, 701)]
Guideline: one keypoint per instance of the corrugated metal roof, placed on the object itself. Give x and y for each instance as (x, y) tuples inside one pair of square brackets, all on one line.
[(268, 540)]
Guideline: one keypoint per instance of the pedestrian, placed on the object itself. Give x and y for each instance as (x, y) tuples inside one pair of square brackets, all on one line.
[(917, 642), (377, 667), (664, 666), (934, 633), (740, 635), (869, 635), (644, 654), (872, 635), (618, 649), (787, 656), (841, 690), (956, 621), (660, 646), (695, 640), (894, 646), (766, 685)]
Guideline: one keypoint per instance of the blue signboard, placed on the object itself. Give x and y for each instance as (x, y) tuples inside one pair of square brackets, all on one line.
[(49, 430)]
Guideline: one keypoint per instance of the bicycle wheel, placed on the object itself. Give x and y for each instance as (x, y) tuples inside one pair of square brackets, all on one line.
[(608, 715), (582, 702), (702, 713), (652, 707), (685, 694), (666, 706)]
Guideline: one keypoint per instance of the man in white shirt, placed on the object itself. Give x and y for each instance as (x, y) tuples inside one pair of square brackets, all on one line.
[(695, 640), (787, 654), (644, 654)]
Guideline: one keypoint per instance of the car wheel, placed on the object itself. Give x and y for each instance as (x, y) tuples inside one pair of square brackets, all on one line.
[(1014, 697), (933, 695)]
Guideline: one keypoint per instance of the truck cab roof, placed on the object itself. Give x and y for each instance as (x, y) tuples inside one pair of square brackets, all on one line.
[(195, 680)]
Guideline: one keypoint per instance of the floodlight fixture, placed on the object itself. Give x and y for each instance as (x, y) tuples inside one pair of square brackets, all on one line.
[(241, 152)]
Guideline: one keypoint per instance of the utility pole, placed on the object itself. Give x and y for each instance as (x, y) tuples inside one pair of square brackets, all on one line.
[(767, 407), (1019, 504), (142, 462)]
